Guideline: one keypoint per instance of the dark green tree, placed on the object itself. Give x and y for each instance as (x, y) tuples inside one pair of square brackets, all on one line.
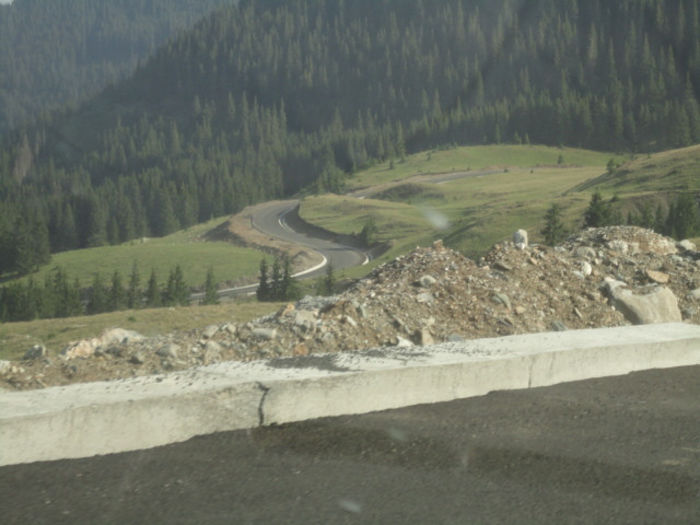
[(289, 289), (176, 291), (554, 230), (263, 290), (276, 290), (328, 283), (117, 293), (134, 293), (369, 232), (598, 212), (98, 298), (683, 217), (153, 293), (211, 295)]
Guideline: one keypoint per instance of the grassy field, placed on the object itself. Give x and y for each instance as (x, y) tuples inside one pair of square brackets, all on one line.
[(473, 158), (474, 212), (668, 171), (232, 264), (55, 334), (470, 214)]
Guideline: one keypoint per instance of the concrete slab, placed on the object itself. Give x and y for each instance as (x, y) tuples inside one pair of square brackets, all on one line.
[(106, 417)]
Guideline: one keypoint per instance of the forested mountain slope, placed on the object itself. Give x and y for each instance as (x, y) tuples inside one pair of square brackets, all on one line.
[(266, 97), (55, 52)]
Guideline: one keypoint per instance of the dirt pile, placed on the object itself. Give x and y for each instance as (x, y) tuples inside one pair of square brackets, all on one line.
[(431, 295)]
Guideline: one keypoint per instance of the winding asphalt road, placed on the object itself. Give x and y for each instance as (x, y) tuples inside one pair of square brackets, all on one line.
[(275, 218)]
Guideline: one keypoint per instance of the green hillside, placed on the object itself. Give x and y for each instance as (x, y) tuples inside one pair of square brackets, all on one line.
[(482, 207), (266, 98), (231, 264), (58, 52)]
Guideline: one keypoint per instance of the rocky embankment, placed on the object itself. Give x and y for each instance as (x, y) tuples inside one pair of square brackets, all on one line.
[(599, 277)]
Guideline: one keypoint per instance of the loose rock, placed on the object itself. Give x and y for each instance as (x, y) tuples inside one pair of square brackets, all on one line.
[(35, 352)]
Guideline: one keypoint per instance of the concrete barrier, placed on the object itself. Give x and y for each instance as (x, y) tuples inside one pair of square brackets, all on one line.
[(106, 417)]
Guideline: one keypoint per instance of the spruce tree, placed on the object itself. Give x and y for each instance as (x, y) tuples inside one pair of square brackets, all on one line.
[(117, 293), (598, 213), (554, 230), (289, 290), (133, 294), (153, 295), (98, 299), (211, 295), (263, 291), (276, 280), (328, 280)]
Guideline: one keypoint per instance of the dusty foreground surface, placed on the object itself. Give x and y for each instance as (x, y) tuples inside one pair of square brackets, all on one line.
[(615, 450), (430, 295)]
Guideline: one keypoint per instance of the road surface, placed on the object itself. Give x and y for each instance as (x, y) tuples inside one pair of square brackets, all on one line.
[(279, 219), (621, 449)]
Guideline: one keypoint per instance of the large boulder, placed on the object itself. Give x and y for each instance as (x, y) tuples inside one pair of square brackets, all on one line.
[(87, 347), (659, 305)]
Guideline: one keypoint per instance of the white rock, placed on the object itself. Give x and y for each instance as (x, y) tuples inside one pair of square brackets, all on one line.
[(349, 320), (687, 246), (170, 351), (619, 246), (265, 333), (402, 343), (520, 239), (586, 268), (585, 252), (210, 331), (35, 352), (427, 281), (658, 306)]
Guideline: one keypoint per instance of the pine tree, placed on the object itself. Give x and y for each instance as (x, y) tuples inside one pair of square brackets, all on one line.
[(598, 213), (117, 293), (684, 217), (328, 280), (211, 295), (133, 294), (554, 230), (290, 288), (98, 297), (153, 294), (263, 291), (276, 280), (177, 290)]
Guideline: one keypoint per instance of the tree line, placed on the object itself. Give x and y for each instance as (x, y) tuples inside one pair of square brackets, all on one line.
[(58, 296), (680, 220), (58, 53), (263, 99)]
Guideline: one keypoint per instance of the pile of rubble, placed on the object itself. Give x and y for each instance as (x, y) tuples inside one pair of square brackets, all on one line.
[(599, 277)]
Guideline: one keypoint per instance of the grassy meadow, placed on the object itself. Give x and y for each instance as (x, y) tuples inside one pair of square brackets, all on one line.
[(475, 158), (55, 334), (473, 212), (232, 264)]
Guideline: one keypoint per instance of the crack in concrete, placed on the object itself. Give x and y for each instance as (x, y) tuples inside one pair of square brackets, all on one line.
[(261, 412)]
